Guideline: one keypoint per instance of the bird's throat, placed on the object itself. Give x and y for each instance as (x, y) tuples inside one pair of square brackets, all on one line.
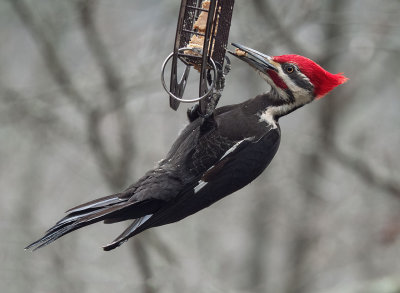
[(277, 106)]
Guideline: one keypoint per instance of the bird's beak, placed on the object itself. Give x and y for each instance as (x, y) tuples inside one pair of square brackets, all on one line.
[(256, 59)]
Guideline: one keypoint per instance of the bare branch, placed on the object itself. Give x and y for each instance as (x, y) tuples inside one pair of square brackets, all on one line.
[(113, 82), (97, 145), (270, 15), (117, 93), (313, 166), (54, 65), (164, 250), (118, 175), (365, 171), (142, 259)]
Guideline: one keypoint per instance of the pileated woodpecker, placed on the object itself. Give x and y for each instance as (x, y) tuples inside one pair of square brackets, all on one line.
[(213, 156)]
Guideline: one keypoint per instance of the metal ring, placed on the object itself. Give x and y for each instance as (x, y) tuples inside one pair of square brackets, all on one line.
[(214, 68)]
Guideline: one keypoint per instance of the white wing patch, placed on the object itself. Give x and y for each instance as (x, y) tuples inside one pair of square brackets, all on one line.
[(232, 148), (199, 186)]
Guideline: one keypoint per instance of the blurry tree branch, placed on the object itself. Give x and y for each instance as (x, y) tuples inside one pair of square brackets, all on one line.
[(18, 109), (97, 144), (314, 165), (269, 14), (113, 81), (49, 55), (114, 167), (365, 171), (142, 259), (302, 237), (119, 175), (260, 233)]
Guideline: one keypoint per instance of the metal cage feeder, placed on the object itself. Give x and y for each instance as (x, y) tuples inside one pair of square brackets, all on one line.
[(208, 23)]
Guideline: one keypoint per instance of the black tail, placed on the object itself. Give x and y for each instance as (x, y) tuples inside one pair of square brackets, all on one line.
[(111, 209), (132, 230)]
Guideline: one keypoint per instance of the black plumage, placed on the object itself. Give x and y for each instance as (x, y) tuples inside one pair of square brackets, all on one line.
[(210, 159), (213, 156)]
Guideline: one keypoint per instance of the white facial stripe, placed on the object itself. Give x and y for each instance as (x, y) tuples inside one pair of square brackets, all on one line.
[(301, 95)]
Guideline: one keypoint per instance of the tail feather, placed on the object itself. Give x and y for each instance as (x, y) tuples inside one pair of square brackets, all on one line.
[(50, 237), (71, 218), (110, 209), (98, 203), (75, 222), (129, 232), (92, 216), (84, 210), (106, 212)]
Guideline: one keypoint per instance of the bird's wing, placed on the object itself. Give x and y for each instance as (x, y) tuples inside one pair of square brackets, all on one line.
[(237, 167), (144, 197)]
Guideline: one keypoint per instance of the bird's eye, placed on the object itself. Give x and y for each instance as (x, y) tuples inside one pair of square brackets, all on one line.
[(289, 69)]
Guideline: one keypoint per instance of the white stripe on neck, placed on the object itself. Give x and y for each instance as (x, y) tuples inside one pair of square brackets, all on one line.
[(268, 117), (271, 112)]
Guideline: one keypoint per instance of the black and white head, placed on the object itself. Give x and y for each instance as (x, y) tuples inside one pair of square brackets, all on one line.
[(295, 79)]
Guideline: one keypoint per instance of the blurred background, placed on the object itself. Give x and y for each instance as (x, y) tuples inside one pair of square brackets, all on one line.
[(83, 114)]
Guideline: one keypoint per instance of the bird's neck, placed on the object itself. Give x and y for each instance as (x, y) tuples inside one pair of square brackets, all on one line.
[(273, 106)]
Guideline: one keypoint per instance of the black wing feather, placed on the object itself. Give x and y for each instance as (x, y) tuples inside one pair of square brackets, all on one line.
[(210, 159), (240, 167)]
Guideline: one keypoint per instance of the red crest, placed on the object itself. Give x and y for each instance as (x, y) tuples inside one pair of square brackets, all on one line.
[(322, 80)]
